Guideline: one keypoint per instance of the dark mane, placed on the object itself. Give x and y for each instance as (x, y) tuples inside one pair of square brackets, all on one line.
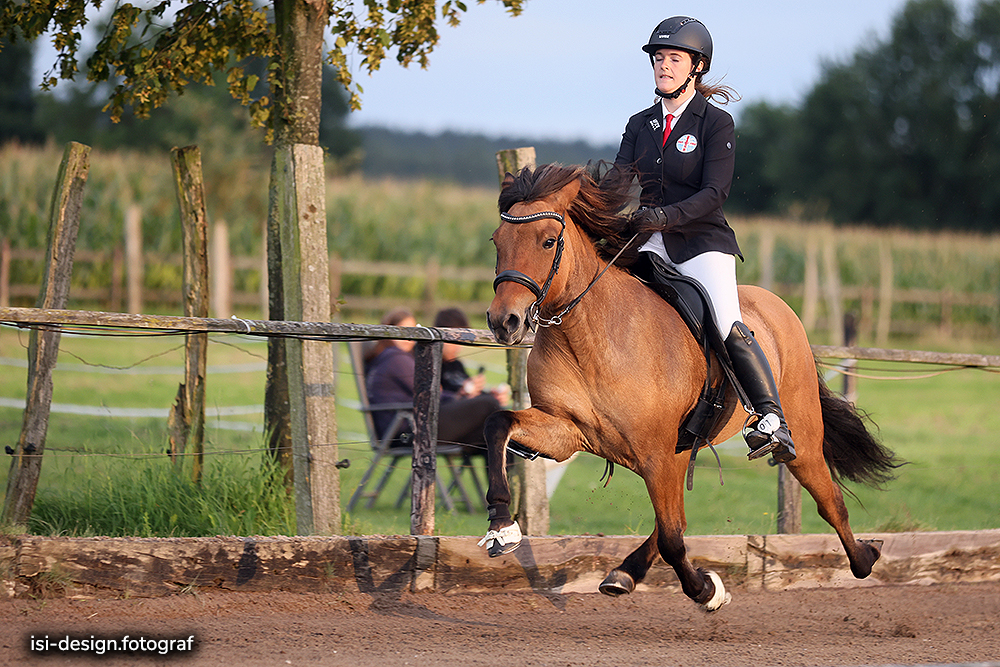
[(597, 209)]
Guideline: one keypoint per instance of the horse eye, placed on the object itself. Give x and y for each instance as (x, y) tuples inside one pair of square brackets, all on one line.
[(549, 243)]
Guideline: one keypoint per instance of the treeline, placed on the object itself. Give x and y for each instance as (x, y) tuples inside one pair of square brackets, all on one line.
[(467, 159), (903, 133)]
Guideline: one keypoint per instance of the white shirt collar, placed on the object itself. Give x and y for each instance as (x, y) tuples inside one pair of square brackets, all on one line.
[(680, 109)]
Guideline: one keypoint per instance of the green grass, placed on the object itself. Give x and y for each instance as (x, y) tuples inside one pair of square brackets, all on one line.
[(108, 476)]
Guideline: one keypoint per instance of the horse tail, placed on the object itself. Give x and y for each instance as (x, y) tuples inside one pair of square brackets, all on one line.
[(851, 450)]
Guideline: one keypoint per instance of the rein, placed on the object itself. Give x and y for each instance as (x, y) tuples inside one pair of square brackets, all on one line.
[(513, 276)]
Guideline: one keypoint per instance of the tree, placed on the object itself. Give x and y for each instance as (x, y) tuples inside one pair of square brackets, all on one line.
[(16, 101), (763, 139), (904, 132), (152, 53)]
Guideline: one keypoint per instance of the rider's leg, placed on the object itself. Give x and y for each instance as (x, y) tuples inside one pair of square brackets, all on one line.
[(766, 431)]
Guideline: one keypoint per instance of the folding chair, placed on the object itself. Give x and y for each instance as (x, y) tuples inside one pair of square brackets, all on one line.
[(383, 448)]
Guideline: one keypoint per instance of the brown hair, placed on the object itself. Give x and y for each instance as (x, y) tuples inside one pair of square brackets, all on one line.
[(371, 348), (716, 91), (451, 318)]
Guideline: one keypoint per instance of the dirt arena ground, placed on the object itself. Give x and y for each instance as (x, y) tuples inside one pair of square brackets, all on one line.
[(889, 625)]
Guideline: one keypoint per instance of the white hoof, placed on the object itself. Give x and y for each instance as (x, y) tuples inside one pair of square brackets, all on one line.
[(721, 597), (503, 541)]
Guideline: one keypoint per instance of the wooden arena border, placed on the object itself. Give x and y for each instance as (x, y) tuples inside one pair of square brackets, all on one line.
[(33, 566)]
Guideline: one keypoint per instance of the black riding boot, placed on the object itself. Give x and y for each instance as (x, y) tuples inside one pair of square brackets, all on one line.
[(766, 431)]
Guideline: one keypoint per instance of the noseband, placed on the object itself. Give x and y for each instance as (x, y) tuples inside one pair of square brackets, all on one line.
[(512, 276)]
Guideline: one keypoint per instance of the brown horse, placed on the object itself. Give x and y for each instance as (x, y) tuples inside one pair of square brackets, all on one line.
[(615, 371)]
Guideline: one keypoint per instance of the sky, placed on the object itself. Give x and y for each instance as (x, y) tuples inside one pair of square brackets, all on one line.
[(574, 69)]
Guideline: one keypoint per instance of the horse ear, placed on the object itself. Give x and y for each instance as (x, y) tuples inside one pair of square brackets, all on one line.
[(568, 193), (508, 179)]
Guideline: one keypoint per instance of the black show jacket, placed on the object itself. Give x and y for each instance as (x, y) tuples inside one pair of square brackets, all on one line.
[(690, 186)]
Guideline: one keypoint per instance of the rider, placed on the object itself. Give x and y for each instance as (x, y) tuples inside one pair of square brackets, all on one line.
[(685, 174)]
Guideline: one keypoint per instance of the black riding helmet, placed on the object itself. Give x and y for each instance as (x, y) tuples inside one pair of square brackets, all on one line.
[(682, 32)]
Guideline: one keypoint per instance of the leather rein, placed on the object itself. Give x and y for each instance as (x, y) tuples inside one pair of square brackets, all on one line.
[(540, 292)]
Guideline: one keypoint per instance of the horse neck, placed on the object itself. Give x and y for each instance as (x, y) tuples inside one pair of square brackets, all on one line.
[(600, 311)]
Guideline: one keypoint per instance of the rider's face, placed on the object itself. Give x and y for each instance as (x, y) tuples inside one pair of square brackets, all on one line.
[(671, 68)]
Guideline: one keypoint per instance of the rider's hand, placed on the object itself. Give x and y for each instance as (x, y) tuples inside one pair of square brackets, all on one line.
[(650, 219)]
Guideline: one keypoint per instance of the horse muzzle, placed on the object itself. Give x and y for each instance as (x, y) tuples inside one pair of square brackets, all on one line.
[(508, 326)]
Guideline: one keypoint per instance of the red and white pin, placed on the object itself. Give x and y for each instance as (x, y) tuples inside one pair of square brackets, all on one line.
[(687, 143)]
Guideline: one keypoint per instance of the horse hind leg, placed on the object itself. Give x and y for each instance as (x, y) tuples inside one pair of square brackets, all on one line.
[(861, 554), (811, 469), (623, 579)]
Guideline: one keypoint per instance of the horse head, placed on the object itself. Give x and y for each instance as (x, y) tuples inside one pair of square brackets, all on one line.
[(530, 243)]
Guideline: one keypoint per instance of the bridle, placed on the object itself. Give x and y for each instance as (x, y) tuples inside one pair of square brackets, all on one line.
[(513, 276)]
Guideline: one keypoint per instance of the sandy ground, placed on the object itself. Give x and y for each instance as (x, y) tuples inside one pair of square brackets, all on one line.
[(890, 625)]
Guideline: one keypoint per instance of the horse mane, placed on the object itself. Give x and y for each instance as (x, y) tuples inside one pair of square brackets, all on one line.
[(598, 209)]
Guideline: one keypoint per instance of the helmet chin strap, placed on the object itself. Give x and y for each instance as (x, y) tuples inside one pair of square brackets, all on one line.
[(677, 93), (680, 91)]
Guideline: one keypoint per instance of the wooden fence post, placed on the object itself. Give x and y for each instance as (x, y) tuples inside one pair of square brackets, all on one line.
[(886, 277), (4, 272), (835, 305), (305, 276), (767, 258), (133, 258), (789, 501), (850, 365), (186, 422), (222, 271), (810, 289), (43, 346), (426, 408), (531, 502)]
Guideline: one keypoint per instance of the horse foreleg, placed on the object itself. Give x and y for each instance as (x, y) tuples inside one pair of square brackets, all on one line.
[(553, 436), (666, 491)]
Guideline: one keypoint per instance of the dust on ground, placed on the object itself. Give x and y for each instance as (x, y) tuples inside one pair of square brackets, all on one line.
[(880, 625)]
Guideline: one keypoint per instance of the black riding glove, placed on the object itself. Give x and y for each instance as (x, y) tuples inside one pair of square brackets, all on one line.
[(651, 219)]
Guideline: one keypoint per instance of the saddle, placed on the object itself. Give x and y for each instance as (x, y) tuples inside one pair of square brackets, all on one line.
[(691, 301)]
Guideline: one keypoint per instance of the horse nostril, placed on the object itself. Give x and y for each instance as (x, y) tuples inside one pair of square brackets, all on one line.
[(512, 323)]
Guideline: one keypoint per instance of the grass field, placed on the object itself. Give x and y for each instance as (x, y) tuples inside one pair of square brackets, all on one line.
[(108, 475)]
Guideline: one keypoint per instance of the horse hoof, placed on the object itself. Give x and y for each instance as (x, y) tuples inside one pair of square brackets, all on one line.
[(721, 597), (617, 583), (503, 541), (869, 551)]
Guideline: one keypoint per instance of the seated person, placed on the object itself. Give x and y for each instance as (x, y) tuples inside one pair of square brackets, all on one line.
[(454, 376), (389, 377)]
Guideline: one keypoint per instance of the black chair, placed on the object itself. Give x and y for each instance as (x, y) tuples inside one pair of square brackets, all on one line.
[(454, 456)]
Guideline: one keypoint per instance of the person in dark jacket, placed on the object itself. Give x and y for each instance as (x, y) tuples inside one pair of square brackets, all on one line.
[(454, 376), (389, 375), (683, 150)]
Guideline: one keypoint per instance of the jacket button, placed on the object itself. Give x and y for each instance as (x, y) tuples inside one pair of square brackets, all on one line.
[(659, 160)]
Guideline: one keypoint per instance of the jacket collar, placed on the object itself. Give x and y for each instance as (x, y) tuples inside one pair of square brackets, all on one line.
[(654, 114)]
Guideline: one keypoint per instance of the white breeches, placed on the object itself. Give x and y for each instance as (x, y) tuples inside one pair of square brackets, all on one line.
[(716, 271)]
